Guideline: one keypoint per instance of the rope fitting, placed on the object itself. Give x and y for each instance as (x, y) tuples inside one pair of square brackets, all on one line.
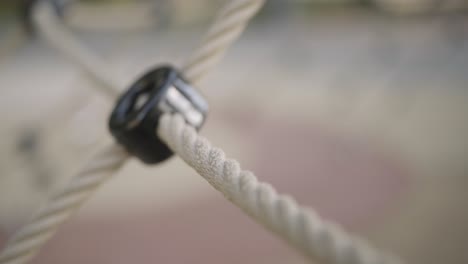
[(26, 10), (135, 118)]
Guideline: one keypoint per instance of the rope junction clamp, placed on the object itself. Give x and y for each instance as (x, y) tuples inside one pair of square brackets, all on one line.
[(27, 9), (135, 118)]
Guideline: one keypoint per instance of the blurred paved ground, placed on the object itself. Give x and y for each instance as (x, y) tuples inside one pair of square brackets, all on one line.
[(360, 117)]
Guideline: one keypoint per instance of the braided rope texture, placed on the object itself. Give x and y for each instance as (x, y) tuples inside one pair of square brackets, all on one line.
[(227, 27), (301, 227), (31, 237)]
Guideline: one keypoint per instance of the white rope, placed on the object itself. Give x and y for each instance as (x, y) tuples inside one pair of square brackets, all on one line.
[(31, 237), (316, 239), (52, 30), (301, 227), (227, 27)]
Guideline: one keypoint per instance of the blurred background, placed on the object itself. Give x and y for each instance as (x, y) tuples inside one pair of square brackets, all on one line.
[(356, 108)]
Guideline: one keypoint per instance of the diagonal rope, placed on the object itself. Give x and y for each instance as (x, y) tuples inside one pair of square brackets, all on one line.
[(56, 34), (301, 227), (316, 239), (30, 238), (227, 27)]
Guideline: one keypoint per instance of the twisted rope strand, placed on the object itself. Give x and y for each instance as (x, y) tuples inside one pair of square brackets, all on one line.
[(31, 237), (57, 35), (227, 27), (301, 227)]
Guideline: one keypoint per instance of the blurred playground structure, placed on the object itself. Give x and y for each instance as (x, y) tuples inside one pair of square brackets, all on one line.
[(356, 108)]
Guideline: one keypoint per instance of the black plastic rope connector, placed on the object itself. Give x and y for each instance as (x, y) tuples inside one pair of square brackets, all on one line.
[(26, 10), (135, 118)]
